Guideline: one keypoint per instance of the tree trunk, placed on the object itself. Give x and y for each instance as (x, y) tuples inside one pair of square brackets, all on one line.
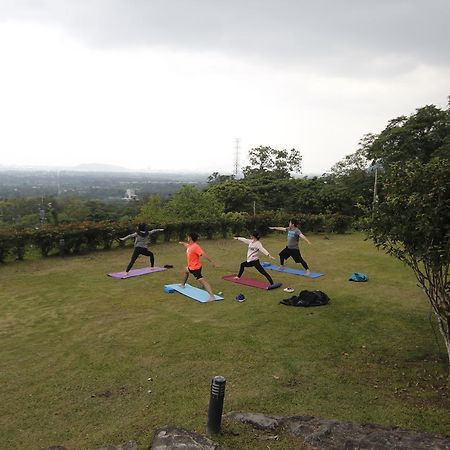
[(444, 326), (435, 285)]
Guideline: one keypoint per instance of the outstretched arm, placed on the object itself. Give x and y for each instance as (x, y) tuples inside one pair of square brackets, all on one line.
[(278, 228), (242, 239), (209, 259), (156, 230), (184, 243), (302, 236), (266, 252), (132, 235)]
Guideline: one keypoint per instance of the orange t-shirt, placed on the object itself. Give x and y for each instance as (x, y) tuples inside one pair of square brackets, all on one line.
[(193, 252)]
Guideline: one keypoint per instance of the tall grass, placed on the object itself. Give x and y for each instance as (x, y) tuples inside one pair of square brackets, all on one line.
[(87, 360)]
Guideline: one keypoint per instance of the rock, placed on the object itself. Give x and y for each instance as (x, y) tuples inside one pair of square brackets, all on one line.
[(130, 445), (172, 438), (261, 421), (336, 435)]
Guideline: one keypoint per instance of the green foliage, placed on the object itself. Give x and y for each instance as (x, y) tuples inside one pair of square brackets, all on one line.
[(421, 136), (412, 220), (6, 244), (343, 192), (217, 178), (88, 236), (265, 159), (190, 203), (24, 212), (235, 195), (271, 191), (349, 185), (152, 211)]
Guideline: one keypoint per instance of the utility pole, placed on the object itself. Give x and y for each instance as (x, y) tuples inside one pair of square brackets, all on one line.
[(375, 193), (59, 184), (236, 159), (42, 212), (375, 166)]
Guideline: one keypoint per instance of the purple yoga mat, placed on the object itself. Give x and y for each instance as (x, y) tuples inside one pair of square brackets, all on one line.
[(248, 282), (136, 272)]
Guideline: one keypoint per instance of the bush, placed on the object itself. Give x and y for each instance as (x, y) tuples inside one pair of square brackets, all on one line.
[(90, 236), (6, 244)]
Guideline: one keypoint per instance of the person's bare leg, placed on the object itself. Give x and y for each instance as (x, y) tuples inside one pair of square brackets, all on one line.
[(186, 276), (208, 289)]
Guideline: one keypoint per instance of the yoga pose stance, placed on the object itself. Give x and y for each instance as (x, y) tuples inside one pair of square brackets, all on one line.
[(254, 246), (194, 266), (141, 237), (292, 247)]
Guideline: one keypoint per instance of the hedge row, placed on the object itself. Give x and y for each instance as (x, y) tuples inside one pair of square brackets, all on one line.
[(76, 237)]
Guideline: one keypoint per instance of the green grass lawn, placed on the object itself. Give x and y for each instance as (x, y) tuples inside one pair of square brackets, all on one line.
[(87, 360)]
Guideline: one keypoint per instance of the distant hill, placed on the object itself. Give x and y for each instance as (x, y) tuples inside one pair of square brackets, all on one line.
[(99, 168)]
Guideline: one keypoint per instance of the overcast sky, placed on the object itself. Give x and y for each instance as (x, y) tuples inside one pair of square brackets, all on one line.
[(171, 84)]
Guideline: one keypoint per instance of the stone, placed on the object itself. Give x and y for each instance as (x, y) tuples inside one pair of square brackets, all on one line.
[(339, 435), (172, 438), (130, 445)]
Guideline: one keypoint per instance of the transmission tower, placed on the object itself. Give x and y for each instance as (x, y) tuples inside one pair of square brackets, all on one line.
[(236, 158)]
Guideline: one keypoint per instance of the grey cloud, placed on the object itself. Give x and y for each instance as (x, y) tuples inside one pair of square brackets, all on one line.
[(350, 35)]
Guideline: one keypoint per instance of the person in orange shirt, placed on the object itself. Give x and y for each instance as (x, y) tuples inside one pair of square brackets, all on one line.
[(194, 266)]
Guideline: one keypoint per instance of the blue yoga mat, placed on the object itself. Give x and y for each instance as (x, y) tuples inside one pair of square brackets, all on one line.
[(190, 291), (270, 266)]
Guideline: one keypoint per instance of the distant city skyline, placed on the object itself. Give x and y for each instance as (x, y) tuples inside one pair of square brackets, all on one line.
[(169, 86)]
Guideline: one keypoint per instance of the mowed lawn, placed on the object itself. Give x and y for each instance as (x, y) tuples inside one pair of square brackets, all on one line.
[(88, 361)]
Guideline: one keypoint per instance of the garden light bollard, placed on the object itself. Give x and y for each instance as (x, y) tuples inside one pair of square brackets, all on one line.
[(216, 404)]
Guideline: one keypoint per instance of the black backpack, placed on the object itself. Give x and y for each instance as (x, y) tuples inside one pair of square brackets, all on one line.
[(307, 298)]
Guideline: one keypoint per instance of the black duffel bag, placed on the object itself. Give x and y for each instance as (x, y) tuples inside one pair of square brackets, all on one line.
[(307, 298)]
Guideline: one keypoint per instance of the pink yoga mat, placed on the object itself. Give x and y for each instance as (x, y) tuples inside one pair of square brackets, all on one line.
[(136, 272), (251, 282)]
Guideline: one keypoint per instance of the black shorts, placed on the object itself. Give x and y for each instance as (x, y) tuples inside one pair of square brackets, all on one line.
[(197, 273), (293, 252)]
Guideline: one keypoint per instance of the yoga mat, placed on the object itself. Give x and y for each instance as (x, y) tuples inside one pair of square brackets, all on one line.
[(190, 291), (251, 282), (269, 266), (136, 272)]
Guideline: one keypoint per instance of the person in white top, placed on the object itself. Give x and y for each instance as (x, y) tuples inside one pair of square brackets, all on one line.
[(254, 246)]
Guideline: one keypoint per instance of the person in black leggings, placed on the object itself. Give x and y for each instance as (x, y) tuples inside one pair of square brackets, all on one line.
[(254, 246), (292, 248), (141, 237)]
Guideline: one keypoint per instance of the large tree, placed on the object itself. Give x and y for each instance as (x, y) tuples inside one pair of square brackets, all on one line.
[(265, 159), (412, 219), (350, 183), (190, 203), (236, 195)]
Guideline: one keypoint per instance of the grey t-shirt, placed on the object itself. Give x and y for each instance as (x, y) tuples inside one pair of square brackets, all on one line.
[(293, 237), (139, 240)]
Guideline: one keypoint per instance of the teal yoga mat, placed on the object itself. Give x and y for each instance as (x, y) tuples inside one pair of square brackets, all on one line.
[(269, 266), (190, 291)]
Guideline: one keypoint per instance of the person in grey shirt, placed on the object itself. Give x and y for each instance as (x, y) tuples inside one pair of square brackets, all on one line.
[(141, 245), (292, 248)]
